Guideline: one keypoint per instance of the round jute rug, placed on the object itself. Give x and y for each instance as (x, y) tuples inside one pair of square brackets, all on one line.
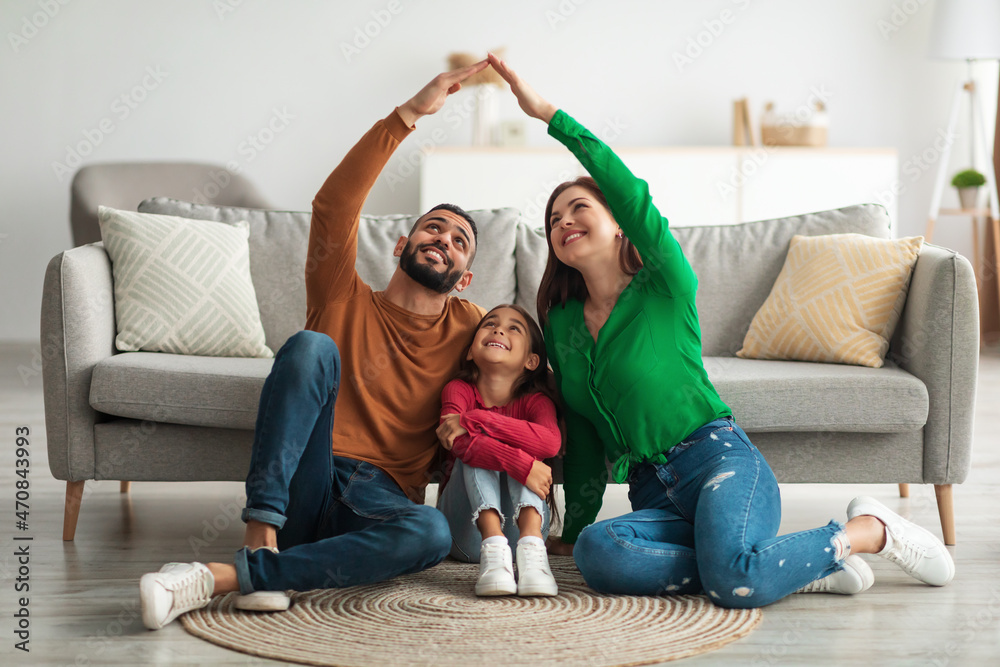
[(434, 618)]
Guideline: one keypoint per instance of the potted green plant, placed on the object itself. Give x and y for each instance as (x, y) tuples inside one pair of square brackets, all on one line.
[(967, 182)]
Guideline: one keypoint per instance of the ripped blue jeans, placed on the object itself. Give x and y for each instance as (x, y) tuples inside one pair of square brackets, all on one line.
[(706, 521), (471, 490)]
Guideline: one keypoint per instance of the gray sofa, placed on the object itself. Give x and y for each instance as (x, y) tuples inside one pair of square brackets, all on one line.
[(160, 417), (123, 185)]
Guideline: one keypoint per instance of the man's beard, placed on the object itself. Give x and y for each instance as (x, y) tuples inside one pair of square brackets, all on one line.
[(426, 275)]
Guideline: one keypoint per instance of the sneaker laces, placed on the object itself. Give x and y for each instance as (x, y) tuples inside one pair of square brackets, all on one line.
[(818, 586), (905, 553), (192, 589), (535, 557), (492, 556)]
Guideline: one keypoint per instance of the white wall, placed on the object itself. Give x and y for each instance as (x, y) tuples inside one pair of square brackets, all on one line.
[(223, 73)]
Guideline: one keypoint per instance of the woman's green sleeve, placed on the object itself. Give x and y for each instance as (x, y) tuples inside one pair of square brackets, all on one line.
[(631, 205)]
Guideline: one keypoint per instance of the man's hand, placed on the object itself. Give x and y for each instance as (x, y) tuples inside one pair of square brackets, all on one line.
[(450, 429), (431, 97), (539, 479), (557, 547), (530, 102)]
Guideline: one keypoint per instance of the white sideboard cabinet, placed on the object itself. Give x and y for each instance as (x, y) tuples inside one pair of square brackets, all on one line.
[(690, 186)]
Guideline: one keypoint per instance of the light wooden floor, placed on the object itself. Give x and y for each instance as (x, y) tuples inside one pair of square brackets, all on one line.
[(84, 596)]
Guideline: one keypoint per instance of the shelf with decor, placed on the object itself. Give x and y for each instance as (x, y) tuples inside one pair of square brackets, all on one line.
[(710, 185)]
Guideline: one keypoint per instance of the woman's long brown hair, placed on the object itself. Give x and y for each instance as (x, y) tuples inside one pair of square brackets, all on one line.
[(561, 282), (537, 381)]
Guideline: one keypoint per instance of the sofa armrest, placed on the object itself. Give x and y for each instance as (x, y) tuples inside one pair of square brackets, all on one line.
[(937, 340), (77, 331)]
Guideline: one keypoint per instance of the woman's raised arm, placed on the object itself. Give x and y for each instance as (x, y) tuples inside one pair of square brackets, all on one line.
[(530, 102), (628, 196)]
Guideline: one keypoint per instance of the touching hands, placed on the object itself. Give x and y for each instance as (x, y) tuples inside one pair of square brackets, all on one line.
[(539, 479), (432, 96), (530, 102), (450, 429)]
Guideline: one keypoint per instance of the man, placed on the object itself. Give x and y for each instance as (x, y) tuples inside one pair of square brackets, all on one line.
[(335, 502)]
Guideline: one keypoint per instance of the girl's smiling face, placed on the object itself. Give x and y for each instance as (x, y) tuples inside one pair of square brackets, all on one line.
[(503, 342)]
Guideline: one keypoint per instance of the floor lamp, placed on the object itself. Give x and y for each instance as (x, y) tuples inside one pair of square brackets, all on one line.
[(969, 30)]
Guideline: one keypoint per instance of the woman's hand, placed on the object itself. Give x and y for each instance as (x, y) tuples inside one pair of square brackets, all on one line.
[(432, 96), (557, 547), (450, 429), (539, 479), (529, 101)]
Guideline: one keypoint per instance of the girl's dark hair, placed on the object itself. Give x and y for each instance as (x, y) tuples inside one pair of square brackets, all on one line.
[(537, 381), (561, 282)]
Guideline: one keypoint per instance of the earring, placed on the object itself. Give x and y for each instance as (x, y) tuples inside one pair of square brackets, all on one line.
[(619, 234)]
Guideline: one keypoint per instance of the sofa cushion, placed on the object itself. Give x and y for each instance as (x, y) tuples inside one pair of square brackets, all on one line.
[(531, 254), (279, 240), (764, 395), (837, 299), (199, 391), (738, 264), (813, 396), (182, 286)]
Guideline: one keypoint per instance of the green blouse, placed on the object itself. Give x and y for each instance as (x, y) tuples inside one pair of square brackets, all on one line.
[(642, 387)]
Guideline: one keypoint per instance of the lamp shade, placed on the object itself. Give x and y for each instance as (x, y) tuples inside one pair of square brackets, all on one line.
[(966, 29)]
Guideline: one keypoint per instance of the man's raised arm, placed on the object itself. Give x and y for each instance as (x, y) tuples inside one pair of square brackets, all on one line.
[(336, 210)]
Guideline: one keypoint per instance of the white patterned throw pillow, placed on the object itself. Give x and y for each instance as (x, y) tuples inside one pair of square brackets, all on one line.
[(182, 286)]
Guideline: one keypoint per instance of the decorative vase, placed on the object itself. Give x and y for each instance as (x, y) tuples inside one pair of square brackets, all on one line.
[(484, 118), (968, 196)]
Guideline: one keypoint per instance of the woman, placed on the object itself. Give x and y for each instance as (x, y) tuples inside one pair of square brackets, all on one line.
[(617, 303)]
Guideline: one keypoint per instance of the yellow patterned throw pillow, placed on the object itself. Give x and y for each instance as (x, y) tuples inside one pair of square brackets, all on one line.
[(837, 299)]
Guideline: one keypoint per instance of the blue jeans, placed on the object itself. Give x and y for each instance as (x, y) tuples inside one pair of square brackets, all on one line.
[(469, 491), (341, 522), (706, 520)]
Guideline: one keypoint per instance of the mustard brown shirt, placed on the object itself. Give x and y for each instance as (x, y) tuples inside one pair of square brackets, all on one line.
[(394, 363)]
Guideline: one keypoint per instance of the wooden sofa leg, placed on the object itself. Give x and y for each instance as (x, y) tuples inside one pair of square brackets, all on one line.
[(904, 490), (946, 510), (126, 486), (74, 496)]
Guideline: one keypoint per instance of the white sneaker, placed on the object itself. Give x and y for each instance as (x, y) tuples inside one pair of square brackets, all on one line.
[(263, 600), (496, 571), (914, 549), (175, 589), (856, 577), (533, 574)]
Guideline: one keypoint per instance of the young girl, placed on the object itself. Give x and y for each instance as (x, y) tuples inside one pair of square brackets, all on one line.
[(498, 419)]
